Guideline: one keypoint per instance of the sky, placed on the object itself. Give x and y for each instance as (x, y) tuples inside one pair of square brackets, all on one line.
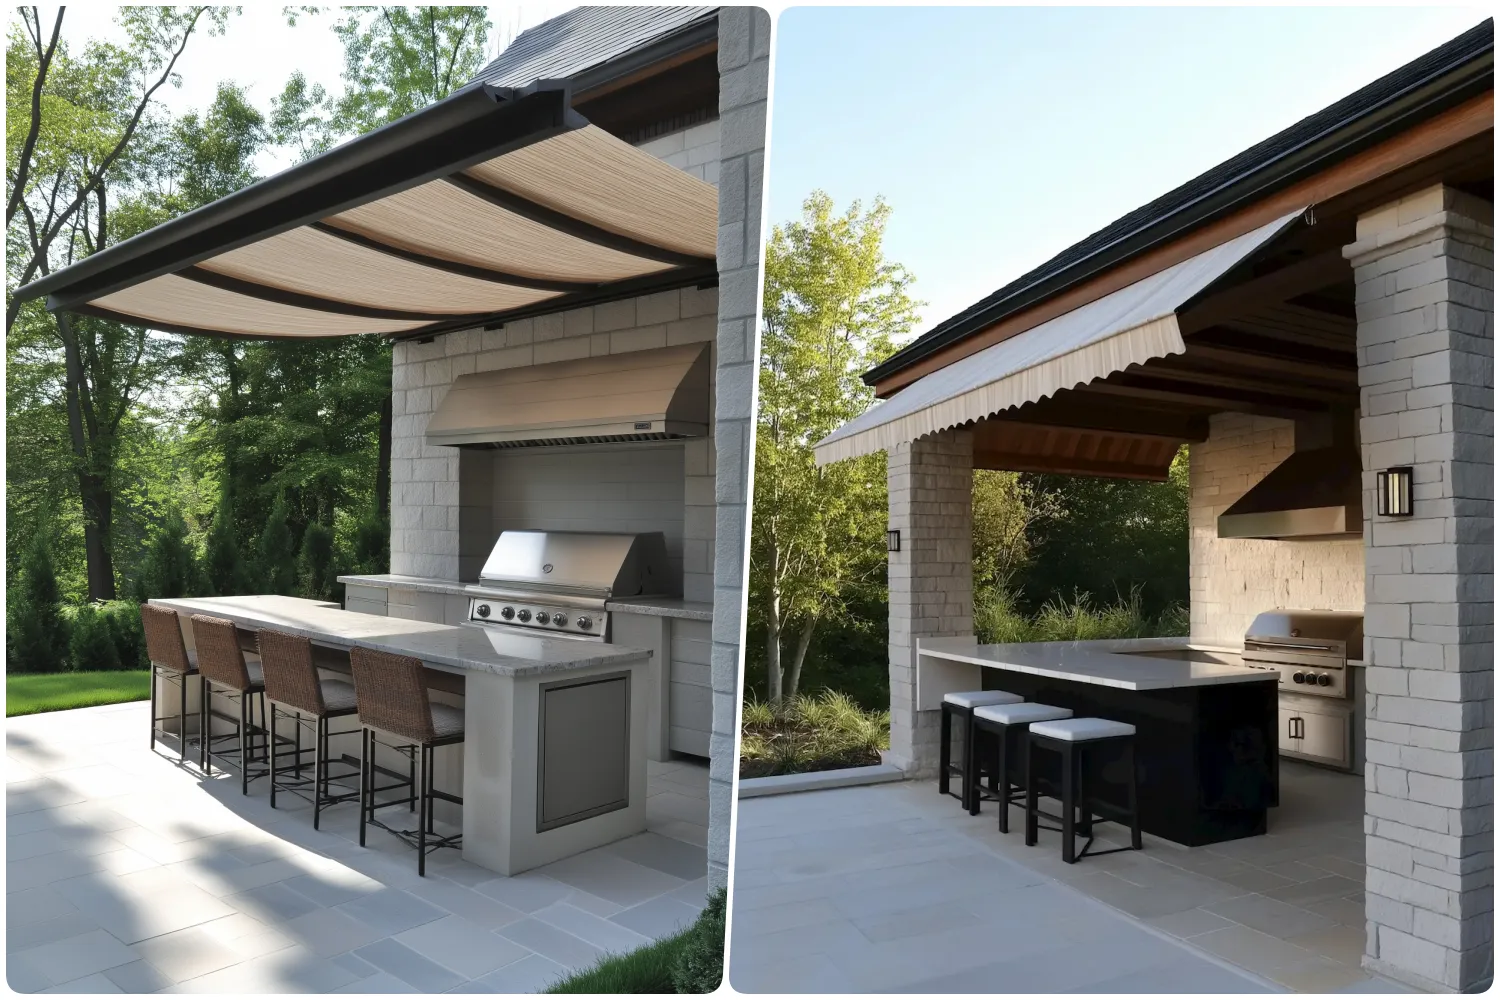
[(260, 51), (1001, 136)]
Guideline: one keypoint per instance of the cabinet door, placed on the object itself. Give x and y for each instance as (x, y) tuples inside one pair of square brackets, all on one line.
[(1288, 720), (1325, 736)]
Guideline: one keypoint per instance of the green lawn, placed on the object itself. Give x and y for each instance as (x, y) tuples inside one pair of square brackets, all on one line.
[(26, 694)]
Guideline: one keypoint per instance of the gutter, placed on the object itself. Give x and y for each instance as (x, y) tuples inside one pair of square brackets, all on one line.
[(1465, 75)]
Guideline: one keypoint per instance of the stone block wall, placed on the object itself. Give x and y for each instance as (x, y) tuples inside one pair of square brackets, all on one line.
[(931, 577), (1231, 580), (744, 65), (694, 150), (1424, 273)]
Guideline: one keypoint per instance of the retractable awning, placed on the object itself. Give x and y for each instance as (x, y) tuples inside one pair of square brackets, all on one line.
[(1127, 327), (492, 204)]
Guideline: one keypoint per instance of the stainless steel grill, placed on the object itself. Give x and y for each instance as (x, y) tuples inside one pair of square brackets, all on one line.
[(557, 582), (1309, 649)]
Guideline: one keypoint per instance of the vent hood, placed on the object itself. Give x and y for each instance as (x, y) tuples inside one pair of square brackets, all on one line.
[(1314, 494), (651, 395)]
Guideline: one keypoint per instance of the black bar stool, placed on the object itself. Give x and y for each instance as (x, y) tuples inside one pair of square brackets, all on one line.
[(293, 686), (997, 721), (171, 663), (962, 704), (393, 699), (227, 671), (1073, 740)]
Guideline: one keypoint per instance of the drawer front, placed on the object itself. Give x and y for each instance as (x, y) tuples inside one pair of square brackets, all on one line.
[(1326, 737)]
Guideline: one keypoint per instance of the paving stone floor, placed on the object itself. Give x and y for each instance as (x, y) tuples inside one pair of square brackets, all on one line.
[(126, 872), (894, 888)]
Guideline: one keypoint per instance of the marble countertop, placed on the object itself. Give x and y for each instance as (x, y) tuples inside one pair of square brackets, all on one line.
[(1116, 663), (665, 607), (454, 648)]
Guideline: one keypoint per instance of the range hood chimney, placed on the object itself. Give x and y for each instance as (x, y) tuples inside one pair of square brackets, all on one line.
[(1314, 494), (653, 395)]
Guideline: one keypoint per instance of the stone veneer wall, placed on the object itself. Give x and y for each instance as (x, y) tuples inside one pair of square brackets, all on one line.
[(1425, 285), (1231, 580), (744, 80)]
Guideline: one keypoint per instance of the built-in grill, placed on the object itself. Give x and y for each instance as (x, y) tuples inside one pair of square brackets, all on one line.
[(557, 582), (1311, 650)]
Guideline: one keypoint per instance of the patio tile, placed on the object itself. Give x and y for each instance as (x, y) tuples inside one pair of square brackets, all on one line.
[(1182, 977), (391, 910), (96, 983), (272, 904), (658, 918), (610, 877), (187, 954), (333, 886), (1256, 880), (142, 904), (1319, 976), (597, 905), (1350, 911), (1189, 923), (905, 923), (290, 970), (603, 934), (124, 861), (465, 947), (529, 975), (550, 942), (1296, 871), (1251, 949), (1340, 943), (1339, 866), (1316, 890), (526, 892), (138, 977), (24, 977), (66, 960), (684, 861), (798, 974), (48, 869), (1270, 916), (483, 910), (774, 919), (355, 964), (405, 964), (380, 982), (19, 937), (29, 906), (329, 932)]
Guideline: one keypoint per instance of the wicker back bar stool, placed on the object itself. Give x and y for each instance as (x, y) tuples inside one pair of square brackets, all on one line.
[(171, 663), (393, 700), (295, 690), (226, 671)]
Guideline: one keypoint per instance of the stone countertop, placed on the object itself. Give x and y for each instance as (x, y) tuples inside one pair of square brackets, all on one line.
[(455, 648), (1106, 662), (665, 607), (390, 581)]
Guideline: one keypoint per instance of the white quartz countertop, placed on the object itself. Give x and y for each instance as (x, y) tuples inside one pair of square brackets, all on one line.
[(454, 648), (1113, 663), (665, 607), (390, 581)]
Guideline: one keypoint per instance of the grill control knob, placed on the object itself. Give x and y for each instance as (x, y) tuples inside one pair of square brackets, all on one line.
[(483, 611), (585, 622), (1299, 678), (1324, 680), (558, 618), (523, 615), (507, 612)]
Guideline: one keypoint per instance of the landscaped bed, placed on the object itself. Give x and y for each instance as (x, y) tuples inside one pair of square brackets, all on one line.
[(27, 694), (691, 961), (821, 733)]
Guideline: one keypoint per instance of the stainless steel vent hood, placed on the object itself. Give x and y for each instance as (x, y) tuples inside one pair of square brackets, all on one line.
[(637, 396), (1314, 494)]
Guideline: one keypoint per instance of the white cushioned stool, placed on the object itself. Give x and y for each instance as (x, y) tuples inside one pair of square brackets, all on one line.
[(962, 704), (997, 720), (1073, 740)]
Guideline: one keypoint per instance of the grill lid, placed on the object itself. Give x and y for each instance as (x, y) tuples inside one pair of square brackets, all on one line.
[(598, 563), (1310, 628)]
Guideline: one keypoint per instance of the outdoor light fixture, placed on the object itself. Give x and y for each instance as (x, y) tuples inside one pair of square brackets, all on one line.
[(1393, 492), (893, 541)]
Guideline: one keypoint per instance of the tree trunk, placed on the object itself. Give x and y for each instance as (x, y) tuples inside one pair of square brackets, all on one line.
[(383, 463), (93, 492), (794, 675), (773, 659)]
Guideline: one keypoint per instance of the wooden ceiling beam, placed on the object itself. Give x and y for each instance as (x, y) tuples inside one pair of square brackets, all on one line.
[(1173, 373), (1067, 466), (1241, 358), (1177, 431), (1224, 399), (1309, 275)]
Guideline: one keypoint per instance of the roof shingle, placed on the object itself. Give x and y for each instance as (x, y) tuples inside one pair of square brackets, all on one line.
[(581, 39)]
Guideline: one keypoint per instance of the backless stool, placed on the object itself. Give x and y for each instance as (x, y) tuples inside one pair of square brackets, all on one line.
[(1074, 740), (294, 688), (227, 672), (962, 704), (1007, 724), (171, 663), (393, 700)]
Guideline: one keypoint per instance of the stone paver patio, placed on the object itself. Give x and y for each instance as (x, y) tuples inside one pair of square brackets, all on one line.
[(128, 873), (894, 888)]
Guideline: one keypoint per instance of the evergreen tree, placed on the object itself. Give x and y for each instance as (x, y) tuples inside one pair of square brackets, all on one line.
[(222, 563), (315, 564), (277, 553), (372, 545), (91, 644), (171, 567), (37, 636)]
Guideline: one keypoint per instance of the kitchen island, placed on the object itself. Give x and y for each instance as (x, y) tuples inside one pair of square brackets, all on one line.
[(1206, 755), (553, 762)]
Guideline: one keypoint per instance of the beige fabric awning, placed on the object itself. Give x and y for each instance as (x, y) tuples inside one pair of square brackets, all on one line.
[(1127, 327), (561, 213)]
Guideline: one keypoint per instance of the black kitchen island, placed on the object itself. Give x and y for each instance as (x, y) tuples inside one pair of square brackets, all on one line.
[(1206, 756)]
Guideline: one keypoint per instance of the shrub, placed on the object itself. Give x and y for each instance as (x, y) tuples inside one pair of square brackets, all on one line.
[(315, 568), (276, 553), (170, 567), (91, 644), (997, 619), (810, 734), (37, 636), (129, 635), (700, 964), (371, 548)]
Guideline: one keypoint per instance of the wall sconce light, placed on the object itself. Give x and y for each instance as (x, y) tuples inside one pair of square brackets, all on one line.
[(893, 541), (1393, 492)]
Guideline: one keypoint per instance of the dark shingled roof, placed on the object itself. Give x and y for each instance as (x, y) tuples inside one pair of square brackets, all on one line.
[(583, 38), (1248, 174)]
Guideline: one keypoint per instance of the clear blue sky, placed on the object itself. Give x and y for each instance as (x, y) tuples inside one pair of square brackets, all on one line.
[(1000, 136)]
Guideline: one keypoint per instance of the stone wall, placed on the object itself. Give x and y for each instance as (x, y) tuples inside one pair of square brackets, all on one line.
[(1424, 273), (744, 64), (1231, 580), (694, 150)]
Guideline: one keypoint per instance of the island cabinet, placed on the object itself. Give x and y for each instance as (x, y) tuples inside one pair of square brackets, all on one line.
[(407, 602), (681, 712)]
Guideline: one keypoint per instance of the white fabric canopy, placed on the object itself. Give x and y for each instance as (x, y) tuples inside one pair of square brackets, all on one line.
[(1126, 327)]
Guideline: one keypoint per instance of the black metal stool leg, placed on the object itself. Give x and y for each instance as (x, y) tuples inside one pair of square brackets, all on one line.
[(366, 764), (1068, 805), (1031, 823), (152, 744), (1002, 767), (421, 818), (273, 754), (1135, 810), (1085, 815), (244, 733), (182, 718), (318, 769), (945, 748), (970, 800)]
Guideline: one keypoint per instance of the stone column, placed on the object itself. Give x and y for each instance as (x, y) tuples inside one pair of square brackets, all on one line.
[(1424, 273), (744, 63), (931, 483)]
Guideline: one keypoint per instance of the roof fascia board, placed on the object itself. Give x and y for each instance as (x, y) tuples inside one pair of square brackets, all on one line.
[(645, 60)]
